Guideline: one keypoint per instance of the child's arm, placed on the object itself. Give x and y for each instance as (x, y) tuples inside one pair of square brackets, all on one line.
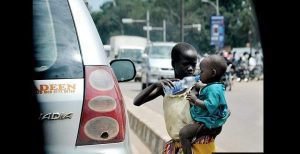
[(199, 85), (193, 100), (200, 103)]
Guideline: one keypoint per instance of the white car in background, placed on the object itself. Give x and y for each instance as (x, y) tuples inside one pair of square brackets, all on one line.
[(156, 63), (133, 53), (81, 106)]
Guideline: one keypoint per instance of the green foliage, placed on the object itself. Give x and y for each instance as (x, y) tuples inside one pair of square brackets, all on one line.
[(238, 15)]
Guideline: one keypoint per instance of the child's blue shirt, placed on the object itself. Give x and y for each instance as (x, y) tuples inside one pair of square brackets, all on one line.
[(216, 112)]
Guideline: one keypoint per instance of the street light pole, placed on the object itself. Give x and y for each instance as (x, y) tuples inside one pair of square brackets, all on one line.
[(198, 26), (216, 6), (148, 25), (218, 13), (164, 30), (147, 21), (182, 20), (148, 28)]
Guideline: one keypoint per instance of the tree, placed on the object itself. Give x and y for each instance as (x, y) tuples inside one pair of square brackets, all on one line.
[(109, 20), (238, 15)]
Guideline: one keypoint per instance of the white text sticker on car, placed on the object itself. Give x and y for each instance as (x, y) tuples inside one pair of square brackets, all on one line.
[(56, 116)]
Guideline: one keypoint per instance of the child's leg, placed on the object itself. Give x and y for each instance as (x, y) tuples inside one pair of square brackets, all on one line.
[(208, 131), (186, 135)]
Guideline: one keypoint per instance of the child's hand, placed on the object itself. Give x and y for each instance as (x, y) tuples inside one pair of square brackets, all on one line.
[(191, 98)]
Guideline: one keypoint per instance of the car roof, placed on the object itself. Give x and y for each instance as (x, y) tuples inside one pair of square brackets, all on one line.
[(163, 43)]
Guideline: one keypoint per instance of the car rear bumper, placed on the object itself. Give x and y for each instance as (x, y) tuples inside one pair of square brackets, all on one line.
[(111, 148)]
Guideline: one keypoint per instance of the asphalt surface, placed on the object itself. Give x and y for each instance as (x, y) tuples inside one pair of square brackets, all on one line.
[(243, 132)]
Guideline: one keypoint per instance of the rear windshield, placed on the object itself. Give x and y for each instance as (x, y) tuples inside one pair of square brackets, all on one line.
[(133, 54), (56, 49)]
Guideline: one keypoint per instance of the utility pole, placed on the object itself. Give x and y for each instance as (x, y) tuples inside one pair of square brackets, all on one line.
[(216, 6), (218, 13), (147, 21), (182, 20), (148, 25), (164, 30), (147, 28)]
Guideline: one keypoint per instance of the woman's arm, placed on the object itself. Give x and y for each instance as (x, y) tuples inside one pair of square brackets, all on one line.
[(151, 92), (148, 94)]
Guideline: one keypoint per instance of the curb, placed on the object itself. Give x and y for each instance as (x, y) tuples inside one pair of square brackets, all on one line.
[(147, 136), (150, 129), (149, 126)]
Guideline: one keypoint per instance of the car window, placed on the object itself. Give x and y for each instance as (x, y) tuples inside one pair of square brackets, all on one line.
[(56, 48), (133, 54), (162, 52)]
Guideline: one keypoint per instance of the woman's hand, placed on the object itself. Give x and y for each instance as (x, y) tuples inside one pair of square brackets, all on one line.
[(152, 91), (166, 82)]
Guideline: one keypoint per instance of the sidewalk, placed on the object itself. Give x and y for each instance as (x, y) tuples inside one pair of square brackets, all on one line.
[(137, 146), (147, 125)]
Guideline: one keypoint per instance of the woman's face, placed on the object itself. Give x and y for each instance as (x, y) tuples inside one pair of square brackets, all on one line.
[(186, 64)]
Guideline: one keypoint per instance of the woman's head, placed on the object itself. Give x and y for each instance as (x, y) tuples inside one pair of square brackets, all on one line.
[(184, 60), (212, 68)]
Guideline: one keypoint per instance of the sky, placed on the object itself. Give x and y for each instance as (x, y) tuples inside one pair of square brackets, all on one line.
[(95, 4)]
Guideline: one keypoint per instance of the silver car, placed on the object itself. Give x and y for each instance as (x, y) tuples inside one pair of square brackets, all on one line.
[(82, 108)]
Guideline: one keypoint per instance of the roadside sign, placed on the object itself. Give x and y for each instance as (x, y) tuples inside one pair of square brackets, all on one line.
[(217, 31)]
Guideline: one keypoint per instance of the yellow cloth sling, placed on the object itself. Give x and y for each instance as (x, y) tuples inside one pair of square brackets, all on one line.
[(177, 115)]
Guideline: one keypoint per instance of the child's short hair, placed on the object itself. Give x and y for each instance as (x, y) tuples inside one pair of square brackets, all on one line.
[(179, 48), (218, 63)]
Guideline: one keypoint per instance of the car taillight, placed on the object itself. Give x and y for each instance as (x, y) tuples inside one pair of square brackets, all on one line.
[(103, 113)]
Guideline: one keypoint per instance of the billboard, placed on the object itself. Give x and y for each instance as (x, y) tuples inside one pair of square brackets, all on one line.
[(217, 31)]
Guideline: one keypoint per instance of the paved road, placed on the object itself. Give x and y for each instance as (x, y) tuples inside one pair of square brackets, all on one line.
[(243, 132)]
